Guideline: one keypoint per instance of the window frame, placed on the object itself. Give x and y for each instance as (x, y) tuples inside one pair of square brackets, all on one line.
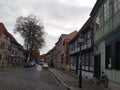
[(106, 10), (97, 22), (116, 6)]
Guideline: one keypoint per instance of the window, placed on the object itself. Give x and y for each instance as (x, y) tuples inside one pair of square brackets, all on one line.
[(108, 57), (2, 45), (0, 57), (9, 48), (89, 39), (118, 55), (89, 35), (85, 41), (91, 59), (62, 58), (106, 10), (82, 59), (6, 37), (89, 43), (13, 52), (97, 22), (87, 59), (67, 59), (116, 5)]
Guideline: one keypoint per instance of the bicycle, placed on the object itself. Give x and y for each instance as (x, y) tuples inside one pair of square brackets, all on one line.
[(104, 80)]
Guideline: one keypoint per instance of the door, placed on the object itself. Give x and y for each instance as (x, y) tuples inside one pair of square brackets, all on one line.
[(97, 66)]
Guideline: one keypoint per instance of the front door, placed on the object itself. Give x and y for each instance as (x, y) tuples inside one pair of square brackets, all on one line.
[(97, 68)]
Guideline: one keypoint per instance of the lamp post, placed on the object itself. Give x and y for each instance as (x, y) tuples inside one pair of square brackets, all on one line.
[(80, 40), (80, 75)]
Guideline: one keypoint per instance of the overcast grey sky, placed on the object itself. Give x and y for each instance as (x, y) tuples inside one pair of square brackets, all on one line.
[(58, 16)]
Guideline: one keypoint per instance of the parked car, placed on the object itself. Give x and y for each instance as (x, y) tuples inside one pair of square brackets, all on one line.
[(45, 66), (33, 63), (27, 65), (41, 63)]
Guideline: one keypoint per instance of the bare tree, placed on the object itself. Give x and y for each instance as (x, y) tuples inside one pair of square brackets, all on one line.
[(32, 31)]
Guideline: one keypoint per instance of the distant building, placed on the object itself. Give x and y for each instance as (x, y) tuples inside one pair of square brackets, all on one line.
[(11, 52), (5, 47), (42, 58), (59, 51), (54, 58), (81, 50), (86, 49), (65, 58)]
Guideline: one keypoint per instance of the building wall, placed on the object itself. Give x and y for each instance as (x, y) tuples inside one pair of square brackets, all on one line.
[(74, 55), (54, 57), (14, 53), (65, 50), (4, 51), (106, 27), (106, 30), (59, 50), (20, 57)]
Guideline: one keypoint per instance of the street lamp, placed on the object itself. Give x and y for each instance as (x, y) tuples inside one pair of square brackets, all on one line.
[(80, 40)]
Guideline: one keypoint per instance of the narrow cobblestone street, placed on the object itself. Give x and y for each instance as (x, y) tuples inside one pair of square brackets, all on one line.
[(29, 80)]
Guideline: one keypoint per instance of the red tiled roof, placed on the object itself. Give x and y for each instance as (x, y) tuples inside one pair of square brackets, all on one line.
[(4, 30), (12, 38), (87, 24)]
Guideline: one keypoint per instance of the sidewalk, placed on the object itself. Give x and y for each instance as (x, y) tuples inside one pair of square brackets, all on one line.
[(71, 82)]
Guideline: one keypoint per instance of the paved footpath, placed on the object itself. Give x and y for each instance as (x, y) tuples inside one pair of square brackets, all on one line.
[(72, 82)]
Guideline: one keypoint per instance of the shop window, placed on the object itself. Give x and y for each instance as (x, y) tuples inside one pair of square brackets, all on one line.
[(108, 63), (118, 55)]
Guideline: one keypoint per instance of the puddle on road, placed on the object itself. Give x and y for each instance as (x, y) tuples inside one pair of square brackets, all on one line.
[(38, 67)]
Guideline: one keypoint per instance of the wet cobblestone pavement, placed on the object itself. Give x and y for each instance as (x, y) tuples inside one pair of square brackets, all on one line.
[(46, 81)]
